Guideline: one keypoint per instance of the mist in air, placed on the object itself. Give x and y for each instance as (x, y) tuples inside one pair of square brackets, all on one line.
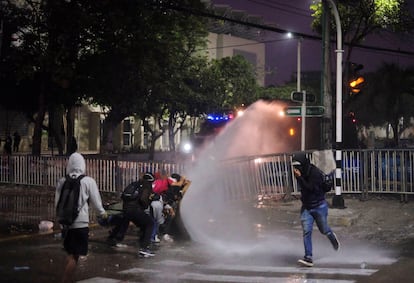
[(209, 215), (238, 227)]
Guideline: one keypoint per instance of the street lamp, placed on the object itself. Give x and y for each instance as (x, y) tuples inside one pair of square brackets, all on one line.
[(298, 89)]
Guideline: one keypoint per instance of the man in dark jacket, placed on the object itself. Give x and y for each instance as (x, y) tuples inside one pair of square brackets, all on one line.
[(314, 205), (134, 211)]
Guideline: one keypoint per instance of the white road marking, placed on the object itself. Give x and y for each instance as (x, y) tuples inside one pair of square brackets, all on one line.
[(277, 269)]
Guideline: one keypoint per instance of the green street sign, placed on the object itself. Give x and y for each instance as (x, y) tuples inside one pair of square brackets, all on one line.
[(315, 111), (293, 111), (297, 96), (311, 111)]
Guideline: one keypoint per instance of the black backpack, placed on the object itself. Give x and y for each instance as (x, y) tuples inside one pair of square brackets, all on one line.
[(328, 182), (137, 193), (67, 209)]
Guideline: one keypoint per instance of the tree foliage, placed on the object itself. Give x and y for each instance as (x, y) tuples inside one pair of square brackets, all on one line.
[(141, 54), (231, 82), (387, 100), (39, 51), (365, 17), (132, 57)]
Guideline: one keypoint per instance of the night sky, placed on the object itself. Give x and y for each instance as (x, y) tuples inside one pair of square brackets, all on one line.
[(295, 16)]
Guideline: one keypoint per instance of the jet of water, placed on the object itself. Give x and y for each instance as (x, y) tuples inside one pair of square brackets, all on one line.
[(207, 212)]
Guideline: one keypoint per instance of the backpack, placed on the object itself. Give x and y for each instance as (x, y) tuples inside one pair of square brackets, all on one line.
[(67, 209), (137, 192), (328, 182)]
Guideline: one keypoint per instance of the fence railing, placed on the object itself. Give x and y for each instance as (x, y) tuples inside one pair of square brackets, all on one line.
[(363, 171), (111, 174)]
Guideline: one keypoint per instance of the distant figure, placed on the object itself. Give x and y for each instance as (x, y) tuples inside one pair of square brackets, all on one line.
[(73, 146), (16, 141), (8, 145)]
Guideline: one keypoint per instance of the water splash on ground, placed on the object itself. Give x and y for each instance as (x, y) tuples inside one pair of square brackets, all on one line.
[(238, 227)]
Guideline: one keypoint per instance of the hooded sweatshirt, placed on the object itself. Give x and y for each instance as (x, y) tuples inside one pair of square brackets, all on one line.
[(89, 193), (310, 182)]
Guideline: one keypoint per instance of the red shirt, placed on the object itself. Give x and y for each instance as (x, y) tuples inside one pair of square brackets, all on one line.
[(161, 185)]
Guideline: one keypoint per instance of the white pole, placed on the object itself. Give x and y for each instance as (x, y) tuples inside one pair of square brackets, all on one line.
[(298, 89), (339, 51), (303, 112)]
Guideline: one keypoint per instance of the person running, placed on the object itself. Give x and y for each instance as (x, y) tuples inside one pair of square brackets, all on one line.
[(76, 238), (314, 205)]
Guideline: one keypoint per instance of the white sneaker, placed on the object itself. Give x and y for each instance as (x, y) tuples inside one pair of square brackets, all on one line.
[(156, 240), (168, 238), (145, 253)]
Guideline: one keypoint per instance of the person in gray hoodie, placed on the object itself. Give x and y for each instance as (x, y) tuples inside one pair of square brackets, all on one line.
[(77, 237)]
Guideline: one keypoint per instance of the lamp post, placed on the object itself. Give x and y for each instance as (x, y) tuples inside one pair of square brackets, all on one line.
[(298, 89)]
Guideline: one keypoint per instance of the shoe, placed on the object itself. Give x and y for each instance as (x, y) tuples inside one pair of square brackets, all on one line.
[(167, 238), (120, 245), (334, 241), (145, 253), (156, 240), (306, 261), (111, 241)]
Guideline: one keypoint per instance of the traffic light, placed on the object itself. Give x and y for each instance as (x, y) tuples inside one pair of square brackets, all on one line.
[(355, 80), (355, 85)]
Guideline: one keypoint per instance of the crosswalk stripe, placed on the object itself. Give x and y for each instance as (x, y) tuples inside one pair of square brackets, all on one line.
[(256, 279), (228, 278), (277, 269), (214, 278), (102, 280), (294, 274)]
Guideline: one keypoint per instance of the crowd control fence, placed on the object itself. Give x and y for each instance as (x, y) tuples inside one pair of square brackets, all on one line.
[(363, 172)]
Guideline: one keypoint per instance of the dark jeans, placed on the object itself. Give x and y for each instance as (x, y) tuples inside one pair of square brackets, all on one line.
[(120, 227), (308, 217), (143, 221)]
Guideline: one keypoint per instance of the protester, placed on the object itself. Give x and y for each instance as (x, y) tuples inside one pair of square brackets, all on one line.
[(314, 205), (73, 145), (7, 148), (16, 141), (165, 207), (117, 234), (161, 182), (77, 236), (157, 213), (134, 211)]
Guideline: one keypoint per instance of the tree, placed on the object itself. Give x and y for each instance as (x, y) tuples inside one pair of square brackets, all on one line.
[(358, 20), (237, 80), (40, 60), (365, 17), (141, 52), (388, 101)]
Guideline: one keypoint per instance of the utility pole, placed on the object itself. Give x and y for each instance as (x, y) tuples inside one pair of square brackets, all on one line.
[(338, 201), (326, 93)]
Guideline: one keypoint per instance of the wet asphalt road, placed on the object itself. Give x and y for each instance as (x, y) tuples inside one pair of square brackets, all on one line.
[(39, 258)]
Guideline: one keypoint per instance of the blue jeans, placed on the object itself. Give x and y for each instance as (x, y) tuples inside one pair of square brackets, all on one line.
[(307, 217)]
